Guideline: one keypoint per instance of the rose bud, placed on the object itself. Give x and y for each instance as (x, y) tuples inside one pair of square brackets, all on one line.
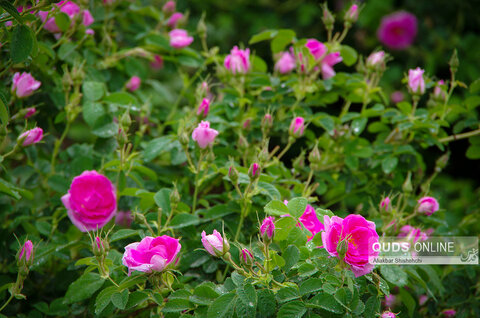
[(246, 257), (133, 83), (24, 85), (169, 7), (428, 205), (376, 61), (267, 229), (351, 15), (31, 136), (297, 126), (215, 244), (385, 204), (233, 174), (204, 107), (416, 83), (388, 314), (286, 63), (26, 252), (254, 172), (30, 112)]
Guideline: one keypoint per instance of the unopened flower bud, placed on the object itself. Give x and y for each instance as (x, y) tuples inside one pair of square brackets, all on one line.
[(441, 162), (242, 143), (351, 16), (125, 120), (98, 247), (174, 196), (328, 18), (454, 62), (254, 171), (25, 255), (342, 248), (246, 123), (297, 126), (183, 138), (202, 27), (233, 174), (215, 244), (428, 205), (267, 229), (314, 156), (267, 121), (264, 155), (246, 257), (385, 204), (407, 185), (439, 93), (169, 7), (204, 107), (376, 61)]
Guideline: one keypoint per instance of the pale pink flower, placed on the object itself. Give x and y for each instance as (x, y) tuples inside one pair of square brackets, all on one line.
[(286, 63), (31, 136), (397, 97), (238, 61), (68, 7), (179, 38), (87, 18), (416, 83), (428, 205), (24, 84), (174, 18), (422, 299), (151, 254), (327, 61), (389, 300), (376, 60), (398, 30), (169, 7), (204, 135), (215, 244), (388, 314)]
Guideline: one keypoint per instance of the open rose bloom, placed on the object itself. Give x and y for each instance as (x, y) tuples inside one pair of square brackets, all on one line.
[(204, 135), (398, 30), (151, 254), (238, 61), (358, 233), (91, 201), (327, 61), (24, 84), (179, 39)]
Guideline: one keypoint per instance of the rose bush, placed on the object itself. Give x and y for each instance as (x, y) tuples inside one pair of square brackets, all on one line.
[(152, 134)]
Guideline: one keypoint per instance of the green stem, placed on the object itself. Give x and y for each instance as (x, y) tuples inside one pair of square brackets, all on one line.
[(280, 155), (7, 302), (197, 173), (267, 258), (58, 143), (310, 176), (243, 214), (460, 136), (345, 109)]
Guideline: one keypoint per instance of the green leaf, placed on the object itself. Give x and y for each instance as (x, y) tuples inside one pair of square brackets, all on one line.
[(283, 227), (266, 303), (297, 206), (9, 189), (92, 112), (162, 199), (123, 234), (394, 274), (7, 6), (294, 309), (203, 294), (247, 295), (120, 299), (93, 91), (276, 207), (176, 305), (287, 293), (84, 287), (281, 40), (62, 20), (372, 306), (263, 36), (327, 302), (222, 306), (408, 301), (121, 98), (258, 64), (473, 152), (270, 190), (389, 164), (343, 296), (358, 125), (22, 43), (475, 86), (3, 113), (183, 220), (348, 54), (156, 146), (311, 285), (291, 257), (105, 127)]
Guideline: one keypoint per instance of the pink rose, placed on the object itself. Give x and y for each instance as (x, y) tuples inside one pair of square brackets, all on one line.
[(414, 234), (428, 205), (422, 299), (396, 97), (388, 314), (297, 126), (23, 85), (20, 10), (398, 30), (267, 229), (316, 48), (376, 60), (449, 313), (31, 136), (267, 121), (151, 254), (133, 83), (204, 107), (27, 250), (68, 7), (439, 92), (89, 32), (173, 20), (179, 39), (157, 62), (30, 112), (311, 222), (327, 61), (247, 257), (91, 201), (87, 18), (416, 83), (238, 61), (169, 7), (359, 235), (385, 204), (204, 135), (215, 244), (253, 170), (286, 63)]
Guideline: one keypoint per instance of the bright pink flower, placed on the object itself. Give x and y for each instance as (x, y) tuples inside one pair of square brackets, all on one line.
[(327, 64), (87, 18), (238, 61), (133, 83), (27, 250), (422, 299), (91, 201), (389, 300), (398, 30), (376, 60), (215, 244), (173, 20), (385, 204), (253, 171), (358, 233), (397, 97), (297, 126), (414, 234), (267, 229), (204, 135), (151, 254), (31, 136), (124, 218), (204, 107), (247, 257), (286, 63), (179, 39), (30, 112), (310, 220), (428, 205), (23, 85), (157, 62), (169, 7), (89, 32), (316, 48), (449, 313), (388, 314), (416, 83), (68, 7)]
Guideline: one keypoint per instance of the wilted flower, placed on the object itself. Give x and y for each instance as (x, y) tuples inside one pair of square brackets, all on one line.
[(398, 30), (179, 38), (204, 135), (238, 61), (215, 244), (31, 136), (24, 84), (428, 205)]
